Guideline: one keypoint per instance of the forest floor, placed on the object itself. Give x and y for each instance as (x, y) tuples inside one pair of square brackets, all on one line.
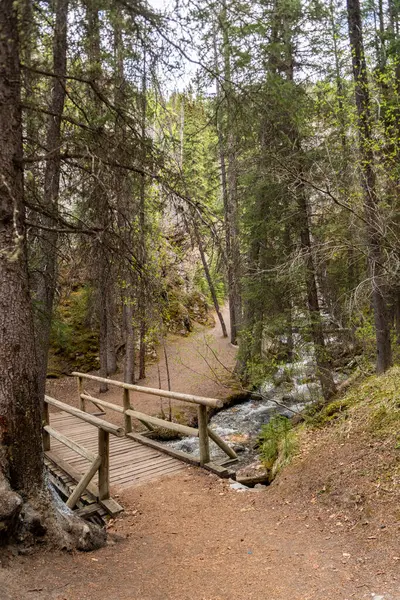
[(326, 529), (199, 364)]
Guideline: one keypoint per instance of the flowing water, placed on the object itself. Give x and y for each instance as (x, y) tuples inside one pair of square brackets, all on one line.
[(293, 386)]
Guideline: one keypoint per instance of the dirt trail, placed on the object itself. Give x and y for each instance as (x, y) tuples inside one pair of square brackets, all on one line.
[(190, 537), (198, 364), (321, 531)]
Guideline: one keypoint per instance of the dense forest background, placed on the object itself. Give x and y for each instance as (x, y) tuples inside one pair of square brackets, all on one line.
[(158, 162), (213, 150)]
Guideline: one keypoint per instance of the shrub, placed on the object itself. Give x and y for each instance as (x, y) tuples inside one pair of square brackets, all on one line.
[(277, 442)]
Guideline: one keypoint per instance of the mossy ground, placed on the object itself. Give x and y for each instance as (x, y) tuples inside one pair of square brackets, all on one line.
[(369, 410)]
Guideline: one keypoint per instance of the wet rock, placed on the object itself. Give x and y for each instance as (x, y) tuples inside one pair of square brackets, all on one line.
[(238, 448)]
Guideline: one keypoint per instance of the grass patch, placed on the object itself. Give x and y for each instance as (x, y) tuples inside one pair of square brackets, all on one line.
[(277, 443)]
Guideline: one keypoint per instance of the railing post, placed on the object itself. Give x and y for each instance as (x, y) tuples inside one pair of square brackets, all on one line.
[(104, 469), (46, 421), (127, 406), (203, 435), (82, 403)]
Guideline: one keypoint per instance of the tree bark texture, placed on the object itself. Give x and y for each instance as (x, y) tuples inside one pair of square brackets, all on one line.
[(323, 368), (27, 510), (21, 453)]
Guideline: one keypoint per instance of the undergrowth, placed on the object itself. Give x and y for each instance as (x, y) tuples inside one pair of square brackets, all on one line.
[(372, 405), (370, 408), (277, 443), (320, 415)]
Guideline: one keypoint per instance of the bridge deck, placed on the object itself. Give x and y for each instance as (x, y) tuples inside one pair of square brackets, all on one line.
[(130, 462)]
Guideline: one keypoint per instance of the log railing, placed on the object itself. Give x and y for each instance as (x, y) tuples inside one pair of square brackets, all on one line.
[(98, 462), (203, 432)]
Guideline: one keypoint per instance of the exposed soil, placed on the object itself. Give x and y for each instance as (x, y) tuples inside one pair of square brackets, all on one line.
[(190, 537), (326, 529), (199, 364)]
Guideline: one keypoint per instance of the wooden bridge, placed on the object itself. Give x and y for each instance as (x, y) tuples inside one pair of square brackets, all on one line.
[(118, 456)]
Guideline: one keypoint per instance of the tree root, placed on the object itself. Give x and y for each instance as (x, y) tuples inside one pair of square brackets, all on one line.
[(44, 519)]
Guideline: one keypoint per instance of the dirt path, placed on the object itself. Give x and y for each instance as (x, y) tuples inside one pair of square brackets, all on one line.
[(190, 537), (198, 364), (321, 531)]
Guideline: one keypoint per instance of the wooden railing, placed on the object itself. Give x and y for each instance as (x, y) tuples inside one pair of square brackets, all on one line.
[(98, 462), (203, 432)]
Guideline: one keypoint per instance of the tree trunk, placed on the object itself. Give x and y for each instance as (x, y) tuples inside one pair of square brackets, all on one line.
[(142, 235), (45, 279), (227, 156), (111, 346), (21, 453), (323, 369), (103, 320), (129, 365), (26, 509), (368, 183), (286, 67), (208, 277), (99, 201)]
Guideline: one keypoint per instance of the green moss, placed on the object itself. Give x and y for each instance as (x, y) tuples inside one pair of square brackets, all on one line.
[(374, 403), (320, 415), (74, 338)]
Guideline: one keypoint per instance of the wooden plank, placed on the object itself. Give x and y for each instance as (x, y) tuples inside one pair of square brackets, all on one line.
[(99, 402), (133, 458), (70, 444), (126, 458), (104, 468), (80, 390), (71, 471), (230, 461), (212, 402), (46, 421), (128, 482), (109, 504), (99, 423), (112, 507), (217, 469), (203, 435), (184, 429), (183, 456), (88, 511), (156, 472), (135, 448), (127, 406), (58, 483), (221, 443), (142, 467), (83, 482)]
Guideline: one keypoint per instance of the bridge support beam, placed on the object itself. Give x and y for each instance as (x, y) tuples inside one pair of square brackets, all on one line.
[(203, 435), (104, 468)]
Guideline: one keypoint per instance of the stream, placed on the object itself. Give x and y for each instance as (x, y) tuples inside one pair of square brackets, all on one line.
[(291, 388)]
